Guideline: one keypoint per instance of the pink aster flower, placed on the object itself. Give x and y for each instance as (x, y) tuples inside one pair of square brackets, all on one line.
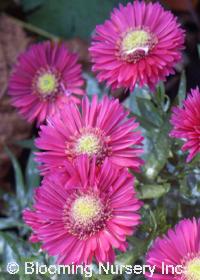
[(141, 43), (100, 129), (186, 123), (88, 218), (64, 175), (180, 247), (44, 79)]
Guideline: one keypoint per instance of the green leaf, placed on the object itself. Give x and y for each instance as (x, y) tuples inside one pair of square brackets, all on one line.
[(131, 101), (127, 258), (75, 18), (182, 88), (144, 123), (159, 145), (27, 144), (154, 223), (161, 99), (149, 223), (7, 276), (103, 276), (29, 5), (10, 241), (19, 181), (32, 175), (139, 247), (130, 257), (149, 112), (17, 250), (152, 191), (6, 223), (160, 214), (160, 93)]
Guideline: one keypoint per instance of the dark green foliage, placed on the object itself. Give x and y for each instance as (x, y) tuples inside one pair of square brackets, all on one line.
[(67, 19)]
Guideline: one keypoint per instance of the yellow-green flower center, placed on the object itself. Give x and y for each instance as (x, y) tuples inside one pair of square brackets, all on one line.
[(136, 44), (88, 144), (85, 209), (192, 269), (47, 83), (134, 40)]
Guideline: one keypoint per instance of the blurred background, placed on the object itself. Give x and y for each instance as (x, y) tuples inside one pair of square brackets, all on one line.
[(23, 22)]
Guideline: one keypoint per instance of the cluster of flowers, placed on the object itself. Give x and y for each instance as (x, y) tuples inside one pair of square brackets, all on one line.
[(86, 205)]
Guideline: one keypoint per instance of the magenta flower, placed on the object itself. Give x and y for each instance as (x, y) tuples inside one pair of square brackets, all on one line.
[(66, 179), (87, 219), (141, 43), (186, 123), (100, 129), (44, 79), (180, 247)]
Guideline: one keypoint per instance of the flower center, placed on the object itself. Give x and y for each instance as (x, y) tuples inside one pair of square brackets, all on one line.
[(90, 141), (192, 269), (134, 40), (86, 212), (88, 144), (85, 209), (47, 83), (136, 44)]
